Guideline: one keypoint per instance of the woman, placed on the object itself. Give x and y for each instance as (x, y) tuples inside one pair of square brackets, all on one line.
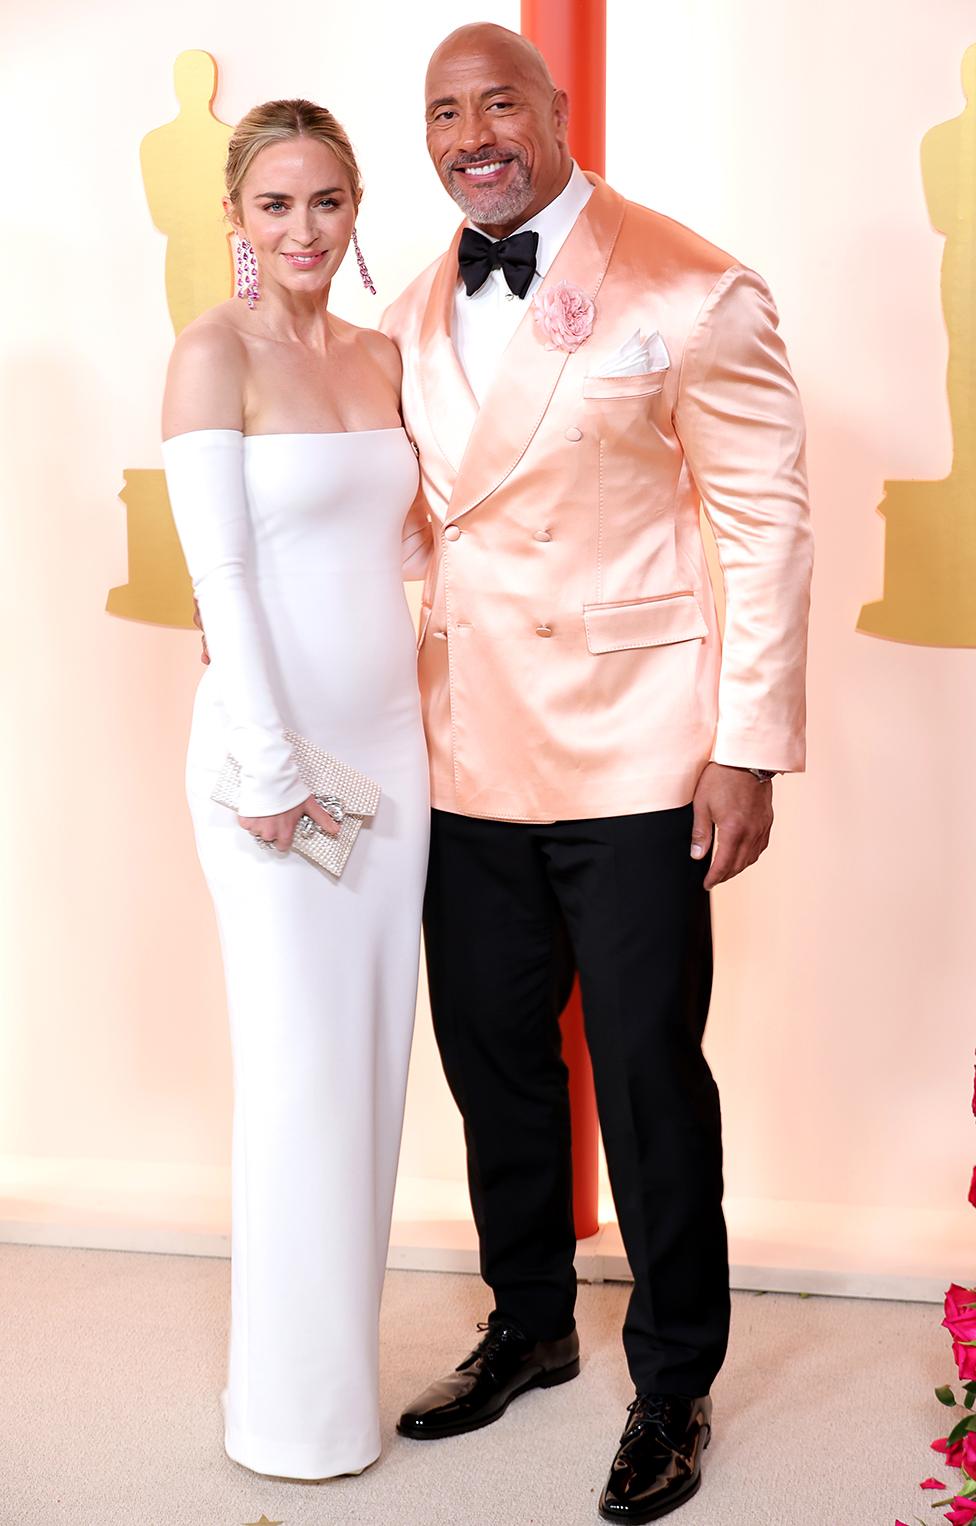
[(293, 486)]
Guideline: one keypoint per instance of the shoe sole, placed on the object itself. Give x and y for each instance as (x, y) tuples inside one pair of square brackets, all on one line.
[(541, 1380), (635, 1518)]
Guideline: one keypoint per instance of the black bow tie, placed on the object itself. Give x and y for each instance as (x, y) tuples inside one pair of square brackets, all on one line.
[(515, 257)]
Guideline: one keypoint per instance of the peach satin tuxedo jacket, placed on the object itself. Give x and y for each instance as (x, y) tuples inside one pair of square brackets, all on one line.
[(571, 662)]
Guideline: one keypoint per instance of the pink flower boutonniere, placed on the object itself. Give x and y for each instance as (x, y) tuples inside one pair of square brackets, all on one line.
[(565, 315)]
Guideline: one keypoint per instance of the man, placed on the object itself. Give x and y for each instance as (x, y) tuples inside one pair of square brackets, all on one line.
[(579, 375)]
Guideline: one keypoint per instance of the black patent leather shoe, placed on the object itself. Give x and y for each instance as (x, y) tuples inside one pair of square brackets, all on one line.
[(503, 1365), (658, 1465)]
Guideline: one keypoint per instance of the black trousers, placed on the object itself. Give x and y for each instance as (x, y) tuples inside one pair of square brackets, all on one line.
[(511, 910)]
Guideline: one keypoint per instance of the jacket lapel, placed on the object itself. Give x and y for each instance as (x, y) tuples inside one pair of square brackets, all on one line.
[(528, 372), (450, 404)]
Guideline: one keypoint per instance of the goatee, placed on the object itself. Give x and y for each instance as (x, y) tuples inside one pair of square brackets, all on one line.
[(487, 208)]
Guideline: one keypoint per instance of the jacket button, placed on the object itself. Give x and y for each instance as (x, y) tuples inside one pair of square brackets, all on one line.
[(543, 630), (541, 535), (574, 433), (452, 533), (441, 635)]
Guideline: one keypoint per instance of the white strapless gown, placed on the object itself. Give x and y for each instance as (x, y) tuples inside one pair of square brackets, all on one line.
[(321, 975)]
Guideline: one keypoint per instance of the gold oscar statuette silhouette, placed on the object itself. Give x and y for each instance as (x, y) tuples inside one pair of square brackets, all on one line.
[(183, 175), (930, 535)]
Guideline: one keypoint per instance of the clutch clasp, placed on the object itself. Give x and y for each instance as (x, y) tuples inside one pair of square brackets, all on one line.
[(329, 803)]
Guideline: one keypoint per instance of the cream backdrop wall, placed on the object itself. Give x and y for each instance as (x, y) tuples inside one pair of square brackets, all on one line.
[(841, 1029)]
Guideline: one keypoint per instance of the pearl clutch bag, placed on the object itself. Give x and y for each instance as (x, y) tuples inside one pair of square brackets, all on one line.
[(349, 797)]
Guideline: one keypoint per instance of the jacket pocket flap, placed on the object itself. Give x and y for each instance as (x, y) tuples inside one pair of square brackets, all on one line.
[(625, 386), (643, 622)]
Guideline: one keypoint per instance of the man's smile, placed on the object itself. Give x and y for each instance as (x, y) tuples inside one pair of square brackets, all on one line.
[(487, 172)]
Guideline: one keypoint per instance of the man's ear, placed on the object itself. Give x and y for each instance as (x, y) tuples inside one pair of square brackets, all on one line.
[(560, 111)]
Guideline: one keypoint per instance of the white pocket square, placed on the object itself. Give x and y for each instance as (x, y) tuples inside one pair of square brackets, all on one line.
[(640, 354)]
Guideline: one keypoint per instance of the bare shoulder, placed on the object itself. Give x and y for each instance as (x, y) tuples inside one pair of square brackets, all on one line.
[(212, 340), (371, 345), (384, 352), (205, 381)]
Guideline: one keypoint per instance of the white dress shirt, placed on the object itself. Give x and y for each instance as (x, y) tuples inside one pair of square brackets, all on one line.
[(486, 321)]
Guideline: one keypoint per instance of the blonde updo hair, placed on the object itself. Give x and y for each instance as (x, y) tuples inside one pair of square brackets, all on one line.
[(276, 122)]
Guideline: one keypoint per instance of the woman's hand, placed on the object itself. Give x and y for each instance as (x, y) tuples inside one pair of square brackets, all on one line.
[(279, 830)]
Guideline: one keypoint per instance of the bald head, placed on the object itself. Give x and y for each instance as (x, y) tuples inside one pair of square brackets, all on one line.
[(487, 39), (496, 125)]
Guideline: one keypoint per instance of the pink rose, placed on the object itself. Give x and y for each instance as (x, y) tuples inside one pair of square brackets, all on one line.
[(565, 315), (952, 1454), (972, 1189), (960, 1312), (965, 1359), (962, 1453), (931, 1483), (963, 1511)]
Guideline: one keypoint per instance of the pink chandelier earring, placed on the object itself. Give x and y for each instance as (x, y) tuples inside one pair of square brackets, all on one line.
[(246, 267), (367, 279)]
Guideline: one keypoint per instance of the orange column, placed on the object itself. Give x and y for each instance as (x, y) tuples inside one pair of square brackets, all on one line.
[(572, 35)]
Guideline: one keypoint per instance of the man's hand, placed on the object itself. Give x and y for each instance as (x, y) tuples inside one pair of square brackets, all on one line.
[(740, 809), (204, 654)]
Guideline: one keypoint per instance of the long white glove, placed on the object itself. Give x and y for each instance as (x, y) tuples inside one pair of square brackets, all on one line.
[(205, 476)]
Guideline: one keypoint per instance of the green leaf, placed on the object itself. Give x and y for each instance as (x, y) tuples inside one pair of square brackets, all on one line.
[(946, 1396), (966, 1424), (969, 1487), (970, 1400), (970, 1388)]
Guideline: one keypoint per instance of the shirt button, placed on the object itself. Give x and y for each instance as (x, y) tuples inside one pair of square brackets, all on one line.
[(541, 535), (452, 533), (574, 433), (543, 630)]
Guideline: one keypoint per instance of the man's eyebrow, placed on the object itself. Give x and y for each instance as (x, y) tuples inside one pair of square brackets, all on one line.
[(451, 100)]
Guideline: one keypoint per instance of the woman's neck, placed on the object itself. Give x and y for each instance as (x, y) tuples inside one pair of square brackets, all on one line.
[(291, 318)]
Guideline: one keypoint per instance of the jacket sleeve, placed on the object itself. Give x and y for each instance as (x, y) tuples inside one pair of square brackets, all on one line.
[(205, 477), (418, 540), (740, 423)]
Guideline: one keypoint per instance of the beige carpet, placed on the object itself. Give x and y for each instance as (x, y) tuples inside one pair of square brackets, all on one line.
[(110, 1365)]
